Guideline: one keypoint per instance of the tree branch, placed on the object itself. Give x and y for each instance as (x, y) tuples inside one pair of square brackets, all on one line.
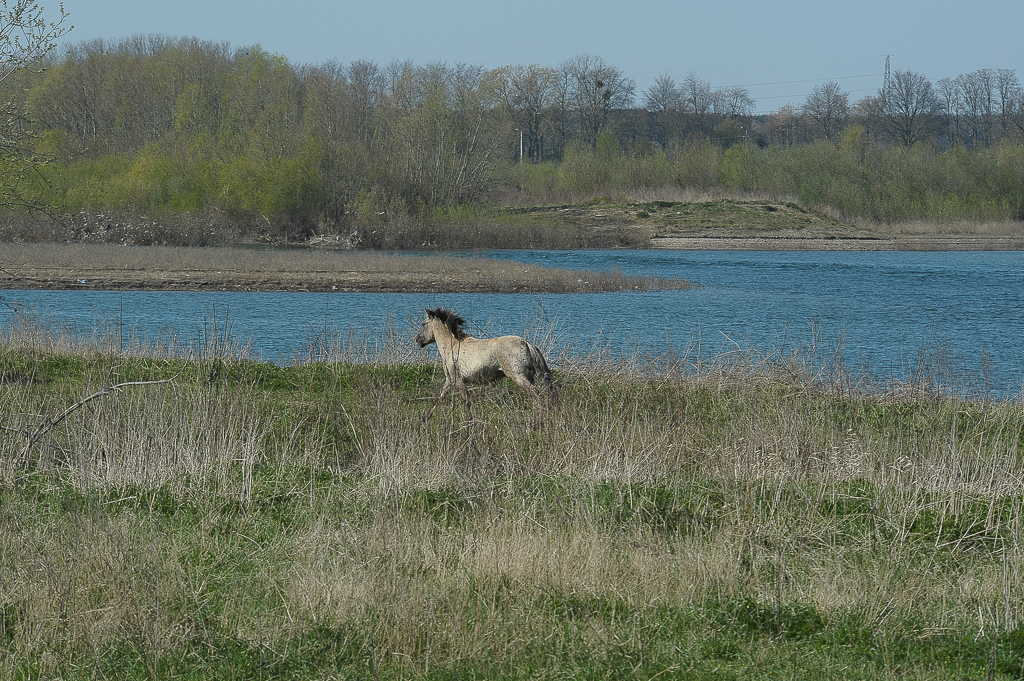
[(49, 424)]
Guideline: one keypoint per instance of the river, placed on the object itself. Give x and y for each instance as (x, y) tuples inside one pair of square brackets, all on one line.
[(884, 311)]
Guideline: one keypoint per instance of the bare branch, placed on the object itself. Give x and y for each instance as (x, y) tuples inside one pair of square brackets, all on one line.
[(49, 424)]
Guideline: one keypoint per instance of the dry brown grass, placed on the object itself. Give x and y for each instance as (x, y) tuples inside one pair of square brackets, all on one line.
[(259, 269)]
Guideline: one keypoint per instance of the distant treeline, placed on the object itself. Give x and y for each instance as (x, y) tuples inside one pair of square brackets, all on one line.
[(153, 125)]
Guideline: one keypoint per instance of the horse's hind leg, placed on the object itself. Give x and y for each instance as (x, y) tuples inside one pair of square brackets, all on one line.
[(540, 408)]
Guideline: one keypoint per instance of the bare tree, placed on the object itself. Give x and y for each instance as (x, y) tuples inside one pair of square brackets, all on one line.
[(595, 89), (1014, 113), (782, 127), (977, 101), (909, 107), (949, 95), (733, 102), (868, 112), (699, 99), (1008, 90), (827, 109), (663, 95), (364, 86), (529, 94), (664, 101), (444, 149)]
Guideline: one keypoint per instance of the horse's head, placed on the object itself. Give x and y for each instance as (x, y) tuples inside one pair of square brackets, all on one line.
[(426, 335), (435, 321)]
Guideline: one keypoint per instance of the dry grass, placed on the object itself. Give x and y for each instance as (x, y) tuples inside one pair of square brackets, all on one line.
[(257, 505), (248, 269), (961, 228)]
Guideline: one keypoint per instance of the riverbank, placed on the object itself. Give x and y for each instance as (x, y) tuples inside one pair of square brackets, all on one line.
[(839, 243), (103, 259), (110, 267)]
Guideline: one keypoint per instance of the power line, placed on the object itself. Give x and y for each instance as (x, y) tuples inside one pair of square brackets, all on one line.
[(800, 97), (757, 66), (808, 80), (938, 61)]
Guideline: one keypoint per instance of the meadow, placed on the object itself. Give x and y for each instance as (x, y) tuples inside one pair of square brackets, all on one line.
[(187, 512)]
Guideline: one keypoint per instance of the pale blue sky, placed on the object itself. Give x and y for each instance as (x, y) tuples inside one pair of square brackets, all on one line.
[(778, 50)]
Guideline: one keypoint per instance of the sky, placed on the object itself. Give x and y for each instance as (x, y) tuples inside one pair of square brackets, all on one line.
[(778, 50)]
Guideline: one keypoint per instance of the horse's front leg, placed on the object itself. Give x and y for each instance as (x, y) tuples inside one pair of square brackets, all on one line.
[(440, 396), (461, 385)]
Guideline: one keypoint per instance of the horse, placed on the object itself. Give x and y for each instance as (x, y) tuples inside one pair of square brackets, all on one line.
[(480, 360)]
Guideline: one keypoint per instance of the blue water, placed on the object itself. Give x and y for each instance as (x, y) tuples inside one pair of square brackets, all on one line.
[(882, 308)]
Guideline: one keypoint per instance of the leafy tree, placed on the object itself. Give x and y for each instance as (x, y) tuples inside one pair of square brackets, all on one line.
[(25, 35), (158, 125), (25, 38)]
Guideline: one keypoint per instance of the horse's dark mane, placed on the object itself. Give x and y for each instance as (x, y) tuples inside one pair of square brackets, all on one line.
[(450, 319)]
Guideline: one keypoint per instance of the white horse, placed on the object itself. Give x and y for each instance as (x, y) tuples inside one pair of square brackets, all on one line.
[(479, 360)]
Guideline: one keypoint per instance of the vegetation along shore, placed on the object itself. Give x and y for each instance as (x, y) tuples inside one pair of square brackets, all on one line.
[(156, 140)]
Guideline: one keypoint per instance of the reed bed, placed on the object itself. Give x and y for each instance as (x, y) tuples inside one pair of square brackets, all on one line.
[(748, 516)]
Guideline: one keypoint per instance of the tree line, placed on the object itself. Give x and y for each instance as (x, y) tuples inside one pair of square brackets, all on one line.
[(152, 124)]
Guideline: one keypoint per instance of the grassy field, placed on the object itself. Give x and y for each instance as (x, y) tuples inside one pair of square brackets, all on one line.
[(211, 517)]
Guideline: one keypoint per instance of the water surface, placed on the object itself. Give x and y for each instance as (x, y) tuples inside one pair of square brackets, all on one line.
[(882, 308)]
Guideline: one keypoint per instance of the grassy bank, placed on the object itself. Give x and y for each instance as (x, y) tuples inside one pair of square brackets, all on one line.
[(600, 220), (462, 227), (729, 520)]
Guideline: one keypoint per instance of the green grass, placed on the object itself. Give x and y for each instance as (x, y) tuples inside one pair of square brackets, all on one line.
[(248, 520)]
